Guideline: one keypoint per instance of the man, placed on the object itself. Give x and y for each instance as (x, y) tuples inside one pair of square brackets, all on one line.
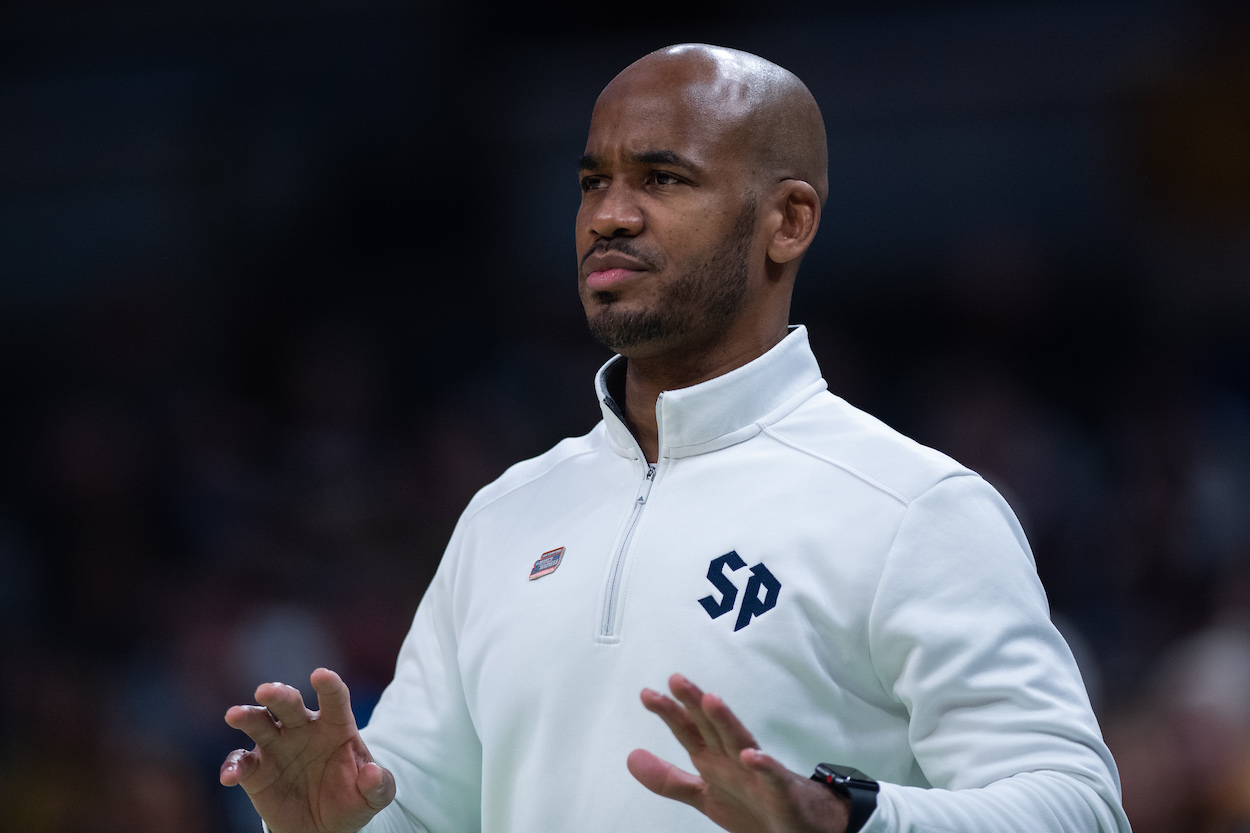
[(856, 597)]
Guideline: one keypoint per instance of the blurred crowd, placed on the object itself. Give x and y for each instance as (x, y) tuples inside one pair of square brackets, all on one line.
[(177, 534), (218, 482)]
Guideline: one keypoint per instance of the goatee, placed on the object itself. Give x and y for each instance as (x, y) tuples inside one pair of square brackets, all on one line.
[(709, 296)]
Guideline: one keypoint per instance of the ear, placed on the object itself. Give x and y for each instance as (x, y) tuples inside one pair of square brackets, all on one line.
[(795, 216)]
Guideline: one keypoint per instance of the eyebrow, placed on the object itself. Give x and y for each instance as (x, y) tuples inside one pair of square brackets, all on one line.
[(590, 162)]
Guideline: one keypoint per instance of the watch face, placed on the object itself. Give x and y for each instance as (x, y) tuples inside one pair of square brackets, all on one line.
[(854, 786), (840, 772)]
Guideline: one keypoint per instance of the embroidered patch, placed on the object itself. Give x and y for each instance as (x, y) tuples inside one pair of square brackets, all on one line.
[(547, 563)]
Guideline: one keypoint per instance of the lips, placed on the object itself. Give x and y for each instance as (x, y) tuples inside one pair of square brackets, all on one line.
[(608, 269), (608, 278)]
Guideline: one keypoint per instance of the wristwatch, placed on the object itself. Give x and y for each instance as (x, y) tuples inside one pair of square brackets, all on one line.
[(851, 784)]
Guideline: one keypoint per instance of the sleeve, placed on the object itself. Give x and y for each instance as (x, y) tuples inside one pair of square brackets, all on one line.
[(421, 729), (1000, 723)]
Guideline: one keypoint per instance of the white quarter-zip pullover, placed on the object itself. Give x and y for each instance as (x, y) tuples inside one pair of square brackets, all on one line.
[(853, 596)]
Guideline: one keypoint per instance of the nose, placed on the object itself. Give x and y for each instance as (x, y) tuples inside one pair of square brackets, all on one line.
[(616, 213)]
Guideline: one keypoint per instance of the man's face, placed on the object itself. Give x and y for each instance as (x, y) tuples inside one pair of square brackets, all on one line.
[(666, 224)]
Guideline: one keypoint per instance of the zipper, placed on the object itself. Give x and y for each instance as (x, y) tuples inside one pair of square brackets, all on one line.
[(618, 560)]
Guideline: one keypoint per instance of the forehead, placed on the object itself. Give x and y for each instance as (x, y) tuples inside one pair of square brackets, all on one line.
[(632, 118)]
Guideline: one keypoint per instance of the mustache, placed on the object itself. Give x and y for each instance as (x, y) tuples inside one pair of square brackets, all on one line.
[(623, 246)]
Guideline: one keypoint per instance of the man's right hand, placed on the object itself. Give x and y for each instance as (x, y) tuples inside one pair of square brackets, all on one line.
[(310, 771)]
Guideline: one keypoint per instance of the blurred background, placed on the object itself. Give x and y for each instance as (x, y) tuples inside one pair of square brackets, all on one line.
[(283, 283)]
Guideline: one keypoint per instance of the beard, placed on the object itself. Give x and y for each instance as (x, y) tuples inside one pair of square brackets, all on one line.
[(704, 299)]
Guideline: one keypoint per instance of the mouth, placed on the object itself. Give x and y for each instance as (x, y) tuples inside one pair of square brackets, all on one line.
[(604, 279), (609, 269)]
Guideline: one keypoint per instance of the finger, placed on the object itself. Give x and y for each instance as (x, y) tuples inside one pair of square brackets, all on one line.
[(676, 718), (238, 766), (662, 778), (734, 737), (376, 784), (255, 721), (333, 698), (285, 702), (691, 696)]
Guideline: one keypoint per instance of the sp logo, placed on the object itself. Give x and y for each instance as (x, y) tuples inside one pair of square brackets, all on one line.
[(752, 605)]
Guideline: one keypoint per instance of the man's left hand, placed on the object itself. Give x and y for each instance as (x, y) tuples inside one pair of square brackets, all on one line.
[(737, 786)]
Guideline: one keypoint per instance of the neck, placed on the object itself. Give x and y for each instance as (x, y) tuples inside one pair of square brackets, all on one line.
[(646, 377)]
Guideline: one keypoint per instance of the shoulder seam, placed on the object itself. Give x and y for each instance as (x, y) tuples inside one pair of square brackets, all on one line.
[(468, 516), (851, 470)]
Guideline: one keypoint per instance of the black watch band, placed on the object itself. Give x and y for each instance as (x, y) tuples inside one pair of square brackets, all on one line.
[(853, 785)]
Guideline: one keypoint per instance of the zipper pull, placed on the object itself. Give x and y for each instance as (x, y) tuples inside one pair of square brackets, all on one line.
[(645, 491)]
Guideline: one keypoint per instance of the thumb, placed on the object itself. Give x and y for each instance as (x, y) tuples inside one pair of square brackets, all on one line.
[(376, 785), (661, 777)]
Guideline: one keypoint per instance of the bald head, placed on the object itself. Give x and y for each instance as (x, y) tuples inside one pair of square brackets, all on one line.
[(702, 183), (760, 109)]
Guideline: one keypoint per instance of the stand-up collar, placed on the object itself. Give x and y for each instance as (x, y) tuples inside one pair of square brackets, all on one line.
[(723, 411)]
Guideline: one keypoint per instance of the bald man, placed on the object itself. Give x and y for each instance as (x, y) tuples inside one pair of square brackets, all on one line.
[(857, 598)]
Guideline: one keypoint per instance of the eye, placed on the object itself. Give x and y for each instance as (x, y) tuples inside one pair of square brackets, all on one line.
[(664, 178), (593, 183)]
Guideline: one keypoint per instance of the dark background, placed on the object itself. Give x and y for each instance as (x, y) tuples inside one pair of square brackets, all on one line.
[(283, 283)]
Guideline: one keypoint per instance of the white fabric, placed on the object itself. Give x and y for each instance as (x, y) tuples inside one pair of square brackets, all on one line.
[(909, 638)]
